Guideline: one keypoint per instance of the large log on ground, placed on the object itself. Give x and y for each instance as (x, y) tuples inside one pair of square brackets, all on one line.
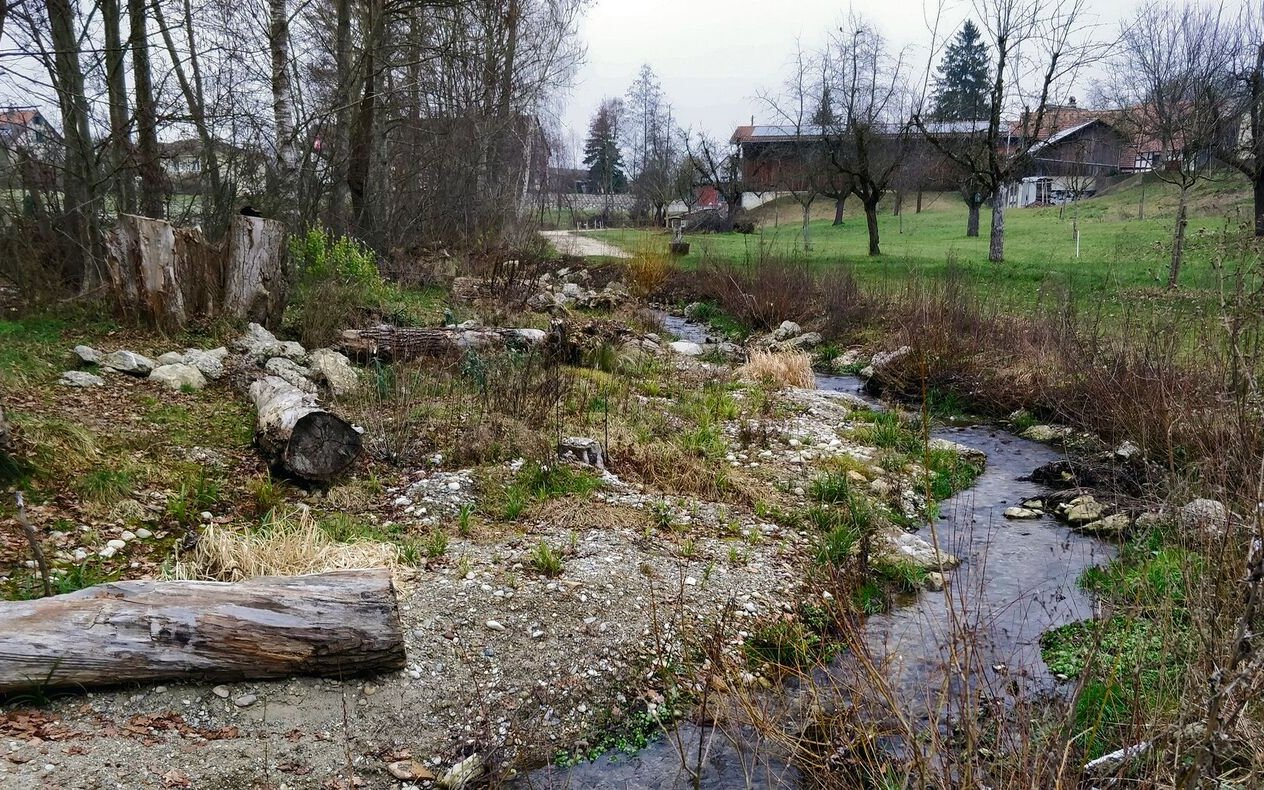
[(331, 624), (256, 276), (296, 434), (404, 343)]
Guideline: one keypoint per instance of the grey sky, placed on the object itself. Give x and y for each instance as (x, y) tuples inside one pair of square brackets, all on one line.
[(714, 56)]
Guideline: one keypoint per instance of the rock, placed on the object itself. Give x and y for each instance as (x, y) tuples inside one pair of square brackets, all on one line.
[(88, 355), (904, 546), (532, 337), (1021, 513), (170, 358), (1083, 510), (1150, 520), (1046, 433), (116, 544), (1203, 514), (255, 336), (1116, 524), (245, 700), (495, 625), (179, 377), (334, 371), (545, 302), (880, 487), (787, 330), (144, 534), (583, 450), (1127, 451), (686, 348), (210, 363), (107, 552), (967, 454), (884, 358), (409, 771), (804, 341), (129, 362), (78, 378), (220, 691), (934, 581), (1034, 504), (291, 372), (293, 351), (848, 359)]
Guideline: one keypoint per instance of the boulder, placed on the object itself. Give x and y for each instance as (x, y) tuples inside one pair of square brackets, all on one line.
[(170, 358), (967, 454), (787, 330), (1127, 451), (848, 359), (88, 355), (1083, 510), (882, 359), (1203, 514), (582, 450), (210, 363), (334, 371), (255, 336), (903, 546), (805, 341), (1046, 433), (178, 376), (686, 348), (291, 373), (1114, 525), (531, 337), (129, 362), (78, 378), (1021, 513)]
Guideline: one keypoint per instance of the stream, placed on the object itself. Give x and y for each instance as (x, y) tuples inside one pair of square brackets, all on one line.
[(1017, 579)]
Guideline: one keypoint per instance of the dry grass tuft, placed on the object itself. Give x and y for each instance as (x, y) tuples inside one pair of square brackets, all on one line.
[(784, 368), (291, 546)]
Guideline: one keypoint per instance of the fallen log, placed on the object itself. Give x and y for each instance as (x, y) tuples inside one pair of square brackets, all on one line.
[(404, 343), (296, 434), (330, 624)]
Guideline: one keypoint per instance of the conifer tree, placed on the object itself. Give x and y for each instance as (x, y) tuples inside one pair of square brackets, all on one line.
[(601, 151), (962, 82)]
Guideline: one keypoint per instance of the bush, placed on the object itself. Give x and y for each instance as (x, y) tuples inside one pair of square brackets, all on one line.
[(647, 273), (782, 368), (337, 278)]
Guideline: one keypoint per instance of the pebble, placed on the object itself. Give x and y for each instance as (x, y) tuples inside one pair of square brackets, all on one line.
[(206, 515), (107, 552), (370, 689), (116, 544), (128, 535), (495, 625), (144, 534), (245, 700), (220, 691)]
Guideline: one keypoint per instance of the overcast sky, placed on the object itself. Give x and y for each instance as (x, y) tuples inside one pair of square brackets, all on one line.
[(714, 57)]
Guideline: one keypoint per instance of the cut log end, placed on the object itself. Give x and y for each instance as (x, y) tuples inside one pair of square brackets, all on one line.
[(321, 446)]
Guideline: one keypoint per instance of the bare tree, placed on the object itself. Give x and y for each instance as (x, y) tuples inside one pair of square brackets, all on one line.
[(1245, 149), (1035, 45), (720, 167), (1171, 78), (286, 157)]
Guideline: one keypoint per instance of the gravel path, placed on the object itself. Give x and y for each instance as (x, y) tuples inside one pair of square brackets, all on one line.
[(569, 242)]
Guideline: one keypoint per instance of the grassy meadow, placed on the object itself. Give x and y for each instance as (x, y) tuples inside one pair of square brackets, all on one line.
[(1121, 258)]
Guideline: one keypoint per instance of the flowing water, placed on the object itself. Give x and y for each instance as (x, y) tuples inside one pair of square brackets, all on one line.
[(1017, 579)]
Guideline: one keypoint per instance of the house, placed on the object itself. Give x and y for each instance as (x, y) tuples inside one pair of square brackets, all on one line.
[(24, 127), (1070, 163), (183, 162)]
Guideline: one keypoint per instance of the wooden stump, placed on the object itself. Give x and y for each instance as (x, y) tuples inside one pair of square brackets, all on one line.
[(294, 433), (144, 274), (256, 277), (331, 624)]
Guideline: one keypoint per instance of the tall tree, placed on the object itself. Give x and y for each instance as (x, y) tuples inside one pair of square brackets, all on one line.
[(721, 169), (286, 155), (601, 150), (962, 81), (119, 157), (151, 188)]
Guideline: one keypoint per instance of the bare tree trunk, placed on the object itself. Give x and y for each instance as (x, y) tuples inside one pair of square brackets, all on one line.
[(213, 213), (283, 111), (79, 180), (1178, 238), (116, 84), (342, 117), (898, 203), (838, 210), (996, 243), (1258, 193), (331, 624), (1141, 204), (151, 191), (807, 233), (918, 210), (972, 221), (871, 223)]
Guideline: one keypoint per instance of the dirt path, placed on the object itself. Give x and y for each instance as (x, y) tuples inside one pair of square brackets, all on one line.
[(569, 242)]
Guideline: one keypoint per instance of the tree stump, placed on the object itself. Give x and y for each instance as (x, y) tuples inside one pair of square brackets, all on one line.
[(295, 434), (144, 274), (256, 274), (330, 624)]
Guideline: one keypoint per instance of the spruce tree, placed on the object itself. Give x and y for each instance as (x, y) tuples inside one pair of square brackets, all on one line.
[(601, 151), (961, 82)]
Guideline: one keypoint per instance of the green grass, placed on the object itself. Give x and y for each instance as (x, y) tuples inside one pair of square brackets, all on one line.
[(1119, 254), (546, 560), (949, 473)]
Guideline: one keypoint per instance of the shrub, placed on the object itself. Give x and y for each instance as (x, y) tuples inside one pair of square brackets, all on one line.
[(647, 273), (545, 560)]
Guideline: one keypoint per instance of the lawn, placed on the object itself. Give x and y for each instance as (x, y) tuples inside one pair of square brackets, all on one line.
[(1121, 258)]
